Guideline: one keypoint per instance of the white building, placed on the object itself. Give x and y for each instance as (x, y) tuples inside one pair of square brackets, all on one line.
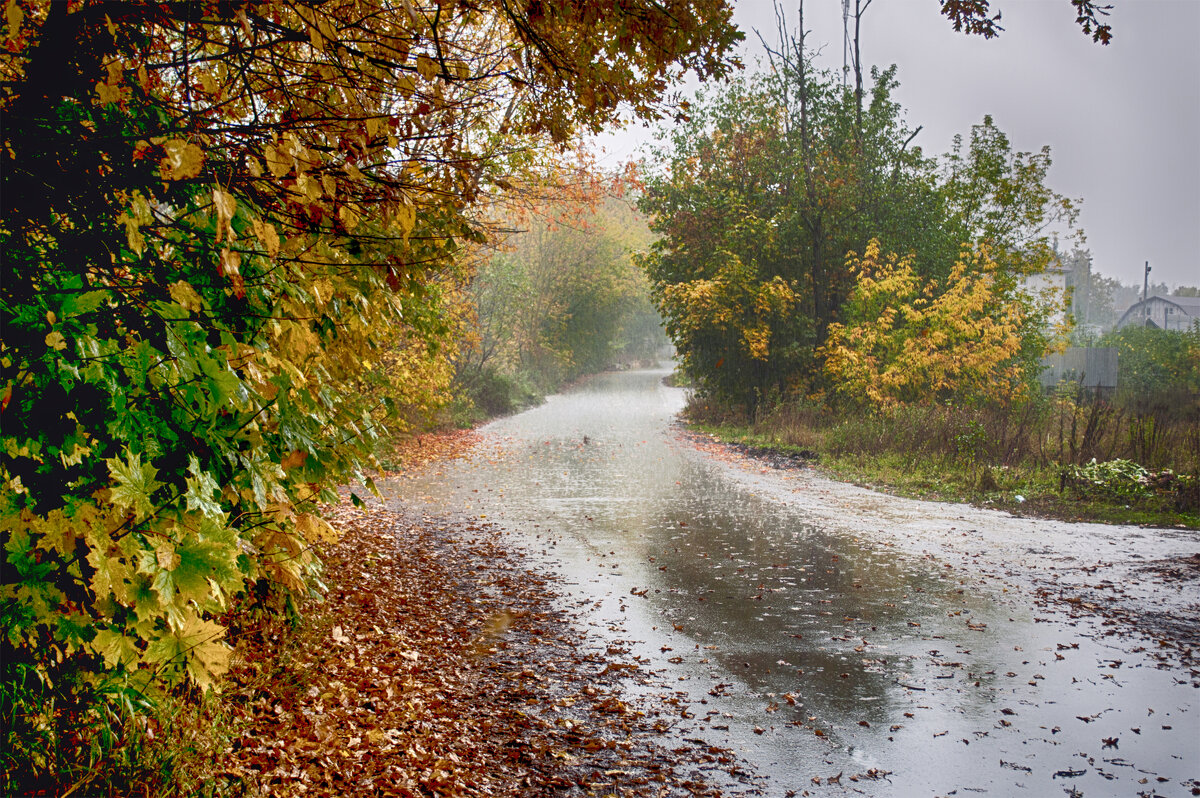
[(1049, 286)]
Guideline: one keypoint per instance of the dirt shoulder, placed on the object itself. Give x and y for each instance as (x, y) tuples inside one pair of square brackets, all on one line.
[(438, 664)]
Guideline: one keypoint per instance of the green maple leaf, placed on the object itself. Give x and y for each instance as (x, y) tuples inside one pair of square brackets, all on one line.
[(205, 560), (135, 483), (110, 574), (201, 488), (143, 599), (164, 586), (116, 648)]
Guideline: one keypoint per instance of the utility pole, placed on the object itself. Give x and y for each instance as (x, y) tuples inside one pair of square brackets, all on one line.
[(845, 40), (1146, 283)]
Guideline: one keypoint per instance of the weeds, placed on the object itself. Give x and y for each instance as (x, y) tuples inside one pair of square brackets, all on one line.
[(1061, 453), (82, 730), (103, 734)]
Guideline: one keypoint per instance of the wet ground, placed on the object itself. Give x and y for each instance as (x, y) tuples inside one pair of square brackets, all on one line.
[(843, 641)]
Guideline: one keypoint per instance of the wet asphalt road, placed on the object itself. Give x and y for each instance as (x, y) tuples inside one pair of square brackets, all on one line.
[(838, 640)]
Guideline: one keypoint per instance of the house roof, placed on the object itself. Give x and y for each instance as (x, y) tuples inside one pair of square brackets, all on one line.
[(1189, 305)]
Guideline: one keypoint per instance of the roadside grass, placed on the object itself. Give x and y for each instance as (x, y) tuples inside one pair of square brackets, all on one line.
[(1026, 488), (114, 741)]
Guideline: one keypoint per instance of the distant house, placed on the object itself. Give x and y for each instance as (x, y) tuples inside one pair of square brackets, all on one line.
[(1162, 312)]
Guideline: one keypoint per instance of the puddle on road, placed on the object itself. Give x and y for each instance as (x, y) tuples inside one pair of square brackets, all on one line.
[(819, 630)]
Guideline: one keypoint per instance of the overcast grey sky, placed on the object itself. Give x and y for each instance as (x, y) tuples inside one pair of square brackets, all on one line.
[(1122, 121)]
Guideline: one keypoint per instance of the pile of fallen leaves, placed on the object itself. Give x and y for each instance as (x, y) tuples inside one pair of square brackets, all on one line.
[(421, 449), (437, 666)]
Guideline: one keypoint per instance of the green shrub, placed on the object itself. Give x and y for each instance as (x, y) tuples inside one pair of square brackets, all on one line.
[(500, 394), (1123, 478), (1153, 362)]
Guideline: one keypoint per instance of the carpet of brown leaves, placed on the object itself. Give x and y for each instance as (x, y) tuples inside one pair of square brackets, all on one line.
[(422, 449), (437, 665)]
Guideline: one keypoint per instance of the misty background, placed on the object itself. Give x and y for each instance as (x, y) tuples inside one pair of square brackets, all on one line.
[(1122, 120)]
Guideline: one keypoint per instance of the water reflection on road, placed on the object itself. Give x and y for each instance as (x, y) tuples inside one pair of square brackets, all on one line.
[(819, 629)]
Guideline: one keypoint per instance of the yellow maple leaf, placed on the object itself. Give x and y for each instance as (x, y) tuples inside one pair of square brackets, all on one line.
[(14, 16), (406, 218), (116, 648), (266, 233), (204, 650), (278, 161), (186, 297), (183, 160), (315, 529)]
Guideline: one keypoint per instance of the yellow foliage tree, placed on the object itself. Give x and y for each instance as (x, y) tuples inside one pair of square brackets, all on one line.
[(911, 341)]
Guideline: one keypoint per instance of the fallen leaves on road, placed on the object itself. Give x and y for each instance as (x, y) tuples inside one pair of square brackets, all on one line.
[(436, 665), (420, 450)]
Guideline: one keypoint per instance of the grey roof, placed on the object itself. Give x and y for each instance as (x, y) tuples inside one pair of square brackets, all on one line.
[(1190, 305)]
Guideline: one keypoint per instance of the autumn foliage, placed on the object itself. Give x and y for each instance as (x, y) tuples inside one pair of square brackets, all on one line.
[(440, 665), (233, 241), (560, 298), (777, 176), (913, 341)]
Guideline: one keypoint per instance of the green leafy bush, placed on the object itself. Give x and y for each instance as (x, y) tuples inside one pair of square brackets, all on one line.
[(1114, 477), (1125, 480), (500, 394)]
